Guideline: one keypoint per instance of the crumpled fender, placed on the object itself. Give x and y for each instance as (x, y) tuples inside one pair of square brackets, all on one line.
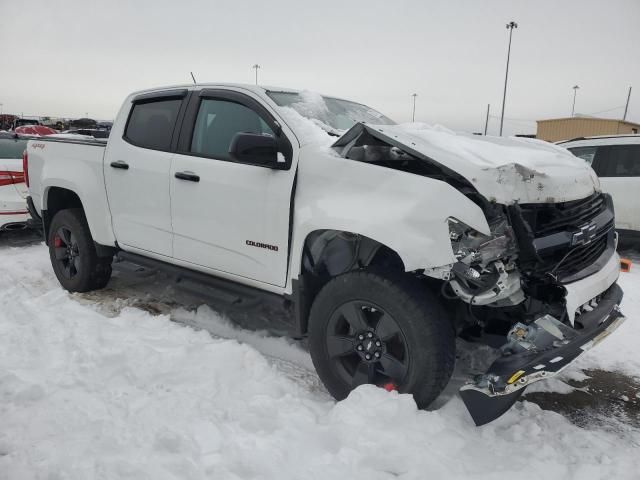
[(406, 212)]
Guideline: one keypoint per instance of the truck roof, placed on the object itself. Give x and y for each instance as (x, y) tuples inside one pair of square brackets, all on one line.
[(599, 137), (258, 89)]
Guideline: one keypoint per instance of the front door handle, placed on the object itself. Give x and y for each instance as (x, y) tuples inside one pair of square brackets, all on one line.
[(120, 164), (188, 176)]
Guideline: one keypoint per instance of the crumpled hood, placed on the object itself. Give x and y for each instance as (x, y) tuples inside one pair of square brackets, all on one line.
[(503, 169)]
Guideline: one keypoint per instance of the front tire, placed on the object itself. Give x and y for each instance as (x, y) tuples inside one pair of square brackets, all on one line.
[(383, 329), (73, 253)]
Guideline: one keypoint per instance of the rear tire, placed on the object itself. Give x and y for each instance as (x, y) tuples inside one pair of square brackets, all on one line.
[(381, 328), (73, 253)]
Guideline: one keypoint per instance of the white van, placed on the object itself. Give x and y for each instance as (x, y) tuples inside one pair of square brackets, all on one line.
[(616, 160)]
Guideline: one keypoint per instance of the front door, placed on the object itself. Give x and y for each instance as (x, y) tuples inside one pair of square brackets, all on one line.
[(228, 216), (137, 176)]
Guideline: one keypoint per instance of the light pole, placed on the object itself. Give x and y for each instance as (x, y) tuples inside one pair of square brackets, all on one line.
[(256, 67), (626, 106), (486, 120), (510, 27), (413, 116), (573, 107)]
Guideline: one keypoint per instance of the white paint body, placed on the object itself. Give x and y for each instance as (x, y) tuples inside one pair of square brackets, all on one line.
[(624, 190), (205, 226), (13, 207)]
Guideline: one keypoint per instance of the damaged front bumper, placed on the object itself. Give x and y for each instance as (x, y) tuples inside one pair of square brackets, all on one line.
[(538, 351)]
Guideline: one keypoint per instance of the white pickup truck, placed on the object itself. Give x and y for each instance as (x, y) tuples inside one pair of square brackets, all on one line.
[(386, 241)]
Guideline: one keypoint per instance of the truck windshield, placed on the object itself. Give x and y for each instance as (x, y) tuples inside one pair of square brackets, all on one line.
[(335, 113)]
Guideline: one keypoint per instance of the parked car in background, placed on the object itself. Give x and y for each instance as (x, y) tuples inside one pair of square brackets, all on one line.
[(616, 160), (91, 132), (13, 190), (39, 130), (21, 122)]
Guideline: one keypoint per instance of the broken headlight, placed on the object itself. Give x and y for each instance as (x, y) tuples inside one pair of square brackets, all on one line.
[(484, 272), (474, 248)]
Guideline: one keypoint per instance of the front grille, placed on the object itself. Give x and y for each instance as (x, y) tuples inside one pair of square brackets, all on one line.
[(581, 257), (546, 219), (552, 238)]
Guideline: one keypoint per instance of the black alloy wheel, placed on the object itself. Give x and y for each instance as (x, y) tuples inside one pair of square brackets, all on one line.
[(380, 327), (67, 252), (366, 345), (73, 253)]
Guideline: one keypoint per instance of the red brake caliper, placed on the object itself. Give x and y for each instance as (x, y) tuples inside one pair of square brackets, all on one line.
[(57, 241)]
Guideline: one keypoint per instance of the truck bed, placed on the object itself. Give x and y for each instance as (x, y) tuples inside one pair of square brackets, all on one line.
[(75, 163)]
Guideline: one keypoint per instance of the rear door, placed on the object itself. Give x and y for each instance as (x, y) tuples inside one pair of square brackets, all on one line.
[(618, 167), (228, 216), (136, 170)]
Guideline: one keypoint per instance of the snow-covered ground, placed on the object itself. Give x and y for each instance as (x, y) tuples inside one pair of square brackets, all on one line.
[(110, 386)]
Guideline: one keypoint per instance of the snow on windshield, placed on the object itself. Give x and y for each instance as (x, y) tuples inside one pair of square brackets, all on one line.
[(307, 130), (332, 114)]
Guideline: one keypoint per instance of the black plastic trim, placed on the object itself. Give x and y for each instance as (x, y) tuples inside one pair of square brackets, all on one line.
[(189, 177), (32, 210), (161, 95), (238, 289)]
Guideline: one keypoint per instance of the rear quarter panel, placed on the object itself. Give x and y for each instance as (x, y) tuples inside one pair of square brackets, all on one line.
[(77, 167)]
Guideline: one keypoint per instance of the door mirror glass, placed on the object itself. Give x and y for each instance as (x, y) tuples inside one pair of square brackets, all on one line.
[(256, 149)]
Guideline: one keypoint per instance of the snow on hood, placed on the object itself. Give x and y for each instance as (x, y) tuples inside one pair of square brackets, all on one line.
[(503, 169)]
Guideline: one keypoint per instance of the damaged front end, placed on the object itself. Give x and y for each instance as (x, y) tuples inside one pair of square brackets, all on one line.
[(537, 351), (539, 285), (562, 264)]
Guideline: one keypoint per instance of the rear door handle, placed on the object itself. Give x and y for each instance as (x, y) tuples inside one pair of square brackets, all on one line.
[(120, 164), (189, 176)]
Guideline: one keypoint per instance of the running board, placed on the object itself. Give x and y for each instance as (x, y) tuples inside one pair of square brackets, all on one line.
[(228, 291)]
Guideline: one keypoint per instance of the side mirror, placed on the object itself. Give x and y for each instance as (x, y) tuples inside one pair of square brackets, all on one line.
[(256, 149)]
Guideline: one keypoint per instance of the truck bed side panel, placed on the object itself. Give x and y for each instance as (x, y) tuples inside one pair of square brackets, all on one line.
[(77, 167)]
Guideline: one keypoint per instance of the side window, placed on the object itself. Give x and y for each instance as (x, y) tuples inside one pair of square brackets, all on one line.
[(585, 153), (151, 124), (622, 161), (217, 123)]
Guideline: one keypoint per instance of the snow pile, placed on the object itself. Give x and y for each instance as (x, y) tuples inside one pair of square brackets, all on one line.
[(621, 351), (137, 396)]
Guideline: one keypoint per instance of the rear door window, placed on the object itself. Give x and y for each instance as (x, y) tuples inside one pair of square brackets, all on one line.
[(620, 161), (151, 124)]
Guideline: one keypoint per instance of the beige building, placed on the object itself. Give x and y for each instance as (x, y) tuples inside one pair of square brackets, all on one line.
[(557, 129)]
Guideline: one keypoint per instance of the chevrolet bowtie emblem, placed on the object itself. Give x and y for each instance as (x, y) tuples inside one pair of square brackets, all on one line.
[(585, 235)]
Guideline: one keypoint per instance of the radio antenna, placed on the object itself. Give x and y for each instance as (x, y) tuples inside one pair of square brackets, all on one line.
[(194, 78)]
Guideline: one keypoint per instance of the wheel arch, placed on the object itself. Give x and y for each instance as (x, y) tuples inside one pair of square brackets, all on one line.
[(56, 199), (327, 253)]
